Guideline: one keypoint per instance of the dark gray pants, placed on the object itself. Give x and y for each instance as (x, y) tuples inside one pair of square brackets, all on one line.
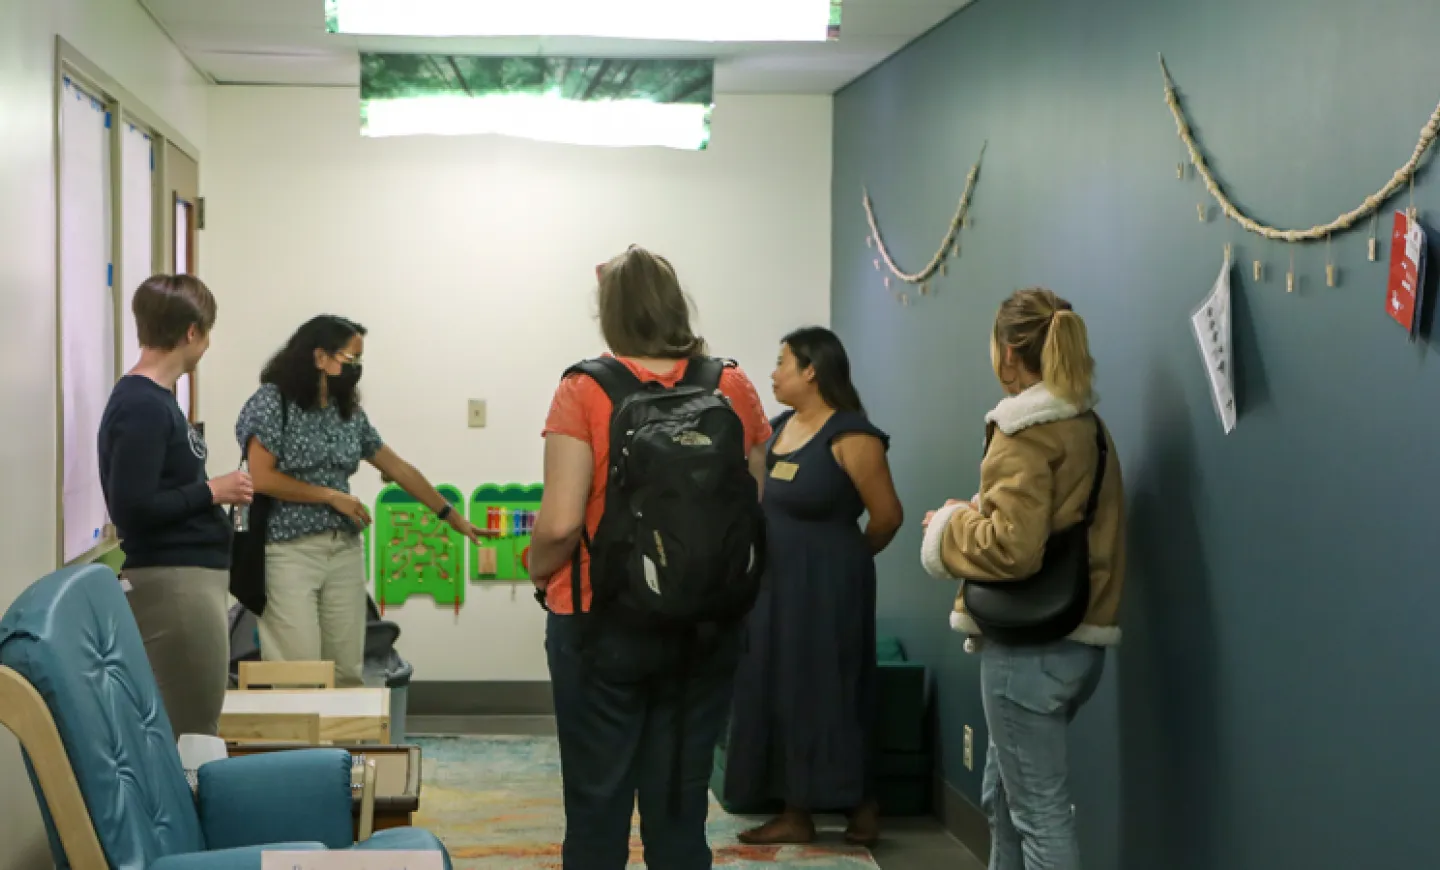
[(617, 709), (184, 622)]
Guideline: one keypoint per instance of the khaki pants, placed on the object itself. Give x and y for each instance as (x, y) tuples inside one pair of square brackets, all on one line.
[(315, 604), (182, 615)]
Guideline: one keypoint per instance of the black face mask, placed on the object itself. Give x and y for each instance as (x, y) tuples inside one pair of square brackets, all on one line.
[(345, 383)]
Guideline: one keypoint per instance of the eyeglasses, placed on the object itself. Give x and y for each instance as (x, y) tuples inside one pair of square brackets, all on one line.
[(348, 358)]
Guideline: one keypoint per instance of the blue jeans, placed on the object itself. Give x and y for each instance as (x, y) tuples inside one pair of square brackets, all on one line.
[(619, 699), (1031, 694)]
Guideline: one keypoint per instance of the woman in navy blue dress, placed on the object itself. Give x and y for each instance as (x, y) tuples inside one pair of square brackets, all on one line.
[(804, 709)]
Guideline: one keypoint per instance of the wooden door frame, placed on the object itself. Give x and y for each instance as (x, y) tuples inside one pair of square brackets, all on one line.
[(178, 184)]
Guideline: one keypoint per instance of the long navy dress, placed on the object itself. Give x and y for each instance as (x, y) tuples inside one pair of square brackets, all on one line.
[(804, 709)]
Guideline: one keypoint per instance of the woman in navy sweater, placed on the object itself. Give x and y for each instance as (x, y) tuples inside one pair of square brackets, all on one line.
[(170, 517)]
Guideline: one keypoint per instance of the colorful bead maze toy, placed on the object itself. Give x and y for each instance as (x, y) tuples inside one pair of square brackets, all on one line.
[(511, 511), (416, 553)]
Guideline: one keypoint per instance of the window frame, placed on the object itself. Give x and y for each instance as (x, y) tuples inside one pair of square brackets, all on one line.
[(124, 108)]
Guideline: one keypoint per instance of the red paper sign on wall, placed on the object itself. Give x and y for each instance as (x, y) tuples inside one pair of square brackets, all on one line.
[(1404, 291)]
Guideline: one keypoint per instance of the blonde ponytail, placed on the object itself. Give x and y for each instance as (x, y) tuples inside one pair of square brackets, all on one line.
[(1065, 363), (1049, 340)]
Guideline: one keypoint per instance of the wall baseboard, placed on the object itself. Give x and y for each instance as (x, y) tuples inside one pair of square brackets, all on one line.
[(965, 821), (479, 698)]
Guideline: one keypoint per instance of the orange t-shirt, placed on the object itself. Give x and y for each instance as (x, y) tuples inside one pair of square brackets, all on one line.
[(581, 410)]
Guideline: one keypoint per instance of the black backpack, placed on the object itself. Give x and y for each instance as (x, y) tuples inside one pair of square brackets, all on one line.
[(681, 544)]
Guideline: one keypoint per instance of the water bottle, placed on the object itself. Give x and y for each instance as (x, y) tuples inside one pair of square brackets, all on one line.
[(241, 512)]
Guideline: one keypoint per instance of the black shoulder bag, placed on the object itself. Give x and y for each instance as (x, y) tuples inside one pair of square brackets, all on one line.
[(247, 550), (1052, 603)]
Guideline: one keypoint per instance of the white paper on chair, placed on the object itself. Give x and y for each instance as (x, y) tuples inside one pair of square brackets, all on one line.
[(1211, 322), (351, 860), (200, 749)]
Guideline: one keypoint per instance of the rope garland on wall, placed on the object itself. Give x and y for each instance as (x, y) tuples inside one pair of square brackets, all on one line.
[(1404, 175), (948, 246)]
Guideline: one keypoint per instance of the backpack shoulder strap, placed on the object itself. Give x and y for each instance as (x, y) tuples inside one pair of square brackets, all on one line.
[(614, 378), (705, 372)]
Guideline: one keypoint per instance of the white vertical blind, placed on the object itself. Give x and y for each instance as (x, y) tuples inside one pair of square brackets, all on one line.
[(182, 237), (137, 203), (183, 266), (182, 394), (87, 312)]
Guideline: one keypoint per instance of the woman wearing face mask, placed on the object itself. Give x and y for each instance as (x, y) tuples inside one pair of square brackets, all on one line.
[(1036, 479), (803, 717), (305, 433)]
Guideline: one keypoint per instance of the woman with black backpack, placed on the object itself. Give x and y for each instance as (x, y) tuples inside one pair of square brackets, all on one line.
[(646, 553), (1042, 552)]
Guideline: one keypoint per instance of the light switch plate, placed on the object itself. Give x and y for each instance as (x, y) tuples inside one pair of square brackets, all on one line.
[(477, 413)]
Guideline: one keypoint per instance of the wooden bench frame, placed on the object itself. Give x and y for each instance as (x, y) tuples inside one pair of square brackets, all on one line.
[(270, 728), (287, 675)]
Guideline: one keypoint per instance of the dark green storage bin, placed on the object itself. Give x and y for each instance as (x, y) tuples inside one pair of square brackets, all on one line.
[(889, 649), (900, 690), (904, 783)]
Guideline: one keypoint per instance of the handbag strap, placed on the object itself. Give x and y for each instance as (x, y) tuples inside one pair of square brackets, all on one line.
[(1102, 450)]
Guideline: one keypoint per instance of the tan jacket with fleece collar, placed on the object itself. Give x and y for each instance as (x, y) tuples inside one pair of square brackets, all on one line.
[(1035, 480)]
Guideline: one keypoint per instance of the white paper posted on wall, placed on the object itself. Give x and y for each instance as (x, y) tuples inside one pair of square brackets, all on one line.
[(1211, 322)]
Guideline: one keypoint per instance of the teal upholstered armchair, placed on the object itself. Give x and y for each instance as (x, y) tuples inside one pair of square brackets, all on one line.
[(77, 690)]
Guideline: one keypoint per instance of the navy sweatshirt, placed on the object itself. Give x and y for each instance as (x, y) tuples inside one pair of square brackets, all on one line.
[(152, 469)]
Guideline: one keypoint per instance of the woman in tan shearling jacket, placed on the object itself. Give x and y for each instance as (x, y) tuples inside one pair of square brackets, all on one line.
[(1035, 480)]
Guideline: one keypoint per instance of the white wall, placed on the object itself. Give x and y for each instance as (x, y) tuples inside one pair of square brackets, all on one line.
[(472, 261), (117, 36)]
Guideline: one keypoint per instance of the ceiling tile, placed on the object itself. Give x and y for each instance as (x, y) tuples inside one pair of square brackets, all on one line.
[(241, 69), (303, 14)]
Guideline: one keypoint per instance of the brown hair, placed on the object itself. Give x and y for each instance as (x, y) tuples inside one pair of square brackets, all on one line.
[(1049, 339), (643, 311), (166, 306)]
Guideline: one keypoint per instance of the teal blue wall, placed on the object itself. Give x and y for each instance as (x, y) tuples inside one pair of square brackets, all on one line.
[(1278, 693)]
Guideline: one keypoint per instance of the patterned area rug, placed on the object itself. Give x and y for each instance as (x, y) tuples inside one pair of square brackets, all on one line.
[(495, 802)]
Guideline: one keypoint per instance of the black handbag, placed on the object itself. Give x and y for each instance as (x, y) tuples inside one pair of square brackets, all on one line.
[(1053, 602), (247, 549)]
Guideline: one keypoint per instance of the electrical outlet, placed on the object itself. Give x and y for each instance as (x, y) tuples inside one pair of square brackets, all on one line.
[(477, 413), (969, 748)]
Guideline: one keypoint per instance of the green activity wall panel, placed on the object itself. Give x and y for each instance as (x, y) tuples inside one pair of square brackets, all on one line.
[(511, 510), (416, 553)]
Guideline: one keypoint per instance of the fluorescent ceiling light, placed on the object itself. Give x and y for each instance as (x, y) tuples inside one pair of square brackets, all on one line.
[(611, 102), (666, 20), (622, 124)]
